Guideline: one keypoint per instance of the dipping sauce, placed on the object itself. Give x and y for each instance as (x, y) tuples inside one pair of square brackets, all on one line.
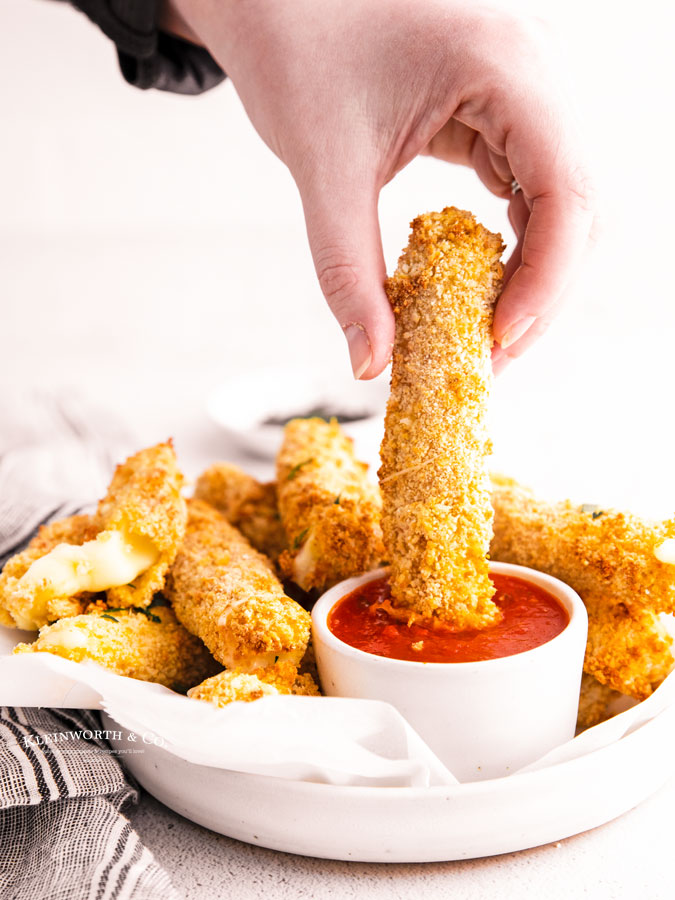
[(531, 617)]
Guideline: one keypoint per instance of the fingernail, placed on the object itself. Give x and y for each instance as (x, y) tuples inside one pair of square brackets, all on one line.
[(516, 331), (360, 353)]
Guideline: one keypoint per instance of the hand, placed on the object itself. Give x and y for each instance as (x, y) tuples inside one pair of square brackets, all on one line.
[(347, 93)]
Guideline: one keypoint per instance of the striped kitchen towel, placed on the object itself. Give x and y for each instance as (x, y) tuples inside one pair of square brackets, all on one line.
[(63, 835), (62, 832)]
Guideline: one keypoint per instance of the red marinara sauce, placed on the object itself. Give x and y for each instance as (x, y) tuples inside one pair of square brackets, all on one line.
[(531, 616)]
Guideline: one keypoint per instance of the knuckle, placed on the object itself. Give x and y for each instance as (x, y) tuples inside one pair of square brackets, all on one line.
[(582, 187), (337, 280)]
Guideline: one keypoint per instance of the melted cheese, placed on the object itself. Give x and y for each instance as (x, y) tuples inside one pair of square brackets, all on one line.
[(665, 552), (60, 640), (304, 563), (113, 559)]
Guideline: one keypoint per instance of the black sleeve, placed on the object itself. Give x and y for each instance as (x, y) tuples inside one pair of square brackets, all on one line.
[(148, 57)]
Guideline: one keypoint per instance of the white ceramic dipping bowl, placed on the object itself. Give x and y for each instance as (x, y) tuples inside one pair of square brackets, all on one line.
[(482, 719)]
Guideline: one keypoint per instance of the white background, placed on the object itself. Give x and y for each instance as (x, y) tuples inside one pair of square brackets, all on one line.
[(151, 246)]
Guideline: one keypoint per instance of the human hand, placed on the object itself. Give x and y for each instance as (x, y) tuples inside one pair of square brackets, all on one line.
[(348, 93)]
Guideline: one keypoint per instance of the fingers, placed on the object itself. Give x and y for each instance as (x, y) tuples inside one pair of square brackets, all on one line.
[(554, 228), (344, 237), (453, 143), (551, 249), (458, 143), (553, 214), (492, 169), (501, 357)]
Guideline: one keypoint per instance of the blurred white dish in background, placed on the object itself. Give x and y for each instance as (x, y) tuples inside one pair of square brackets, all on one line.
[(482, 719), (253, 407)]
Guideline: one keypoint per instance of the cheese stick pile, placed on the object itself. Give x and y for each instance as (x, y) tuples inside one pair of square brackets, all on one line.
[(197, 595)]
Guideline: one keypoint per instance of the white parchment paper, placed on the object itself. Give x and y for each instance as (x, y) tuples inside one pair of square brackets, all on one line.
[(318, 739)]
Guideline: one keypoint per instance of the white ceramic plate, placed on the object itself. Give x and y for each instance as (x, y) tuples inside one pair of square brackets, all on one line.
[(414, 824)]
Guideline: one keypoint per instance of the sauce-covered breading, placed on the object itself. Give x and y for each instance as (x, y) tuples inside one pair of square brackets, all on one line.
[(329, 509), (434, 477), (224, 591)]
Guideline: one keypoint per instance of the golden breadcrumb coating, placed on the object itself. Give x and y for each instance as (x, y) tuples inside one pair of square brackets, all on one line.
[(631, 652), (232, 685), (125, 549), (144, 500), (289, 679), (329, 509), (595, 702), (246, 503), (150, 645), (434, 478), (226, 593), (608, 558), (30, 609)]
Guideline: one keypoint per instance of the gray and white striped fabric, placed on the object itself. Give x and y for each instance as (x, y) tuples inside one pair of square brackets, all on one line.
[(63, 835)]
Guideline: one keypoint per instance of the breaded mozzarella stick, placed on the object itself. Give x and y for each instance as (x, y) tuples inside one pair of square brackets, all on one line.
[(132, 540), (32, 609), (594, 550), (595, 702), (329, 509), (615, 562), (631, 652), (434, 479), (144, 504), (230, 686), (149, 645), (226, 593), (246, 503)]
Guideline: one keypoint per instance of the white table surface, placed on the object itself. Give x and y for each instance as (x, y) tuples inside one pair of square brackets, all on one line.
[(627, 858)]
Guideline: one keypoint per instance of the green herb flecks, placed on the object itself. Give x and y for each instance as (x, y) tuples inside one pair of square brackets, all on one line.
[(112, 618), (594, 510), (294, 471), (337, 500), (133, 609), (300, 538), (146, 612)]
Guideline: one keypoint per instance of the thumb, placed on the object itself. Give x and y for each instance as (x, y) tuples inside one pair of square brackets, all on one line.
[(344, 237)]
